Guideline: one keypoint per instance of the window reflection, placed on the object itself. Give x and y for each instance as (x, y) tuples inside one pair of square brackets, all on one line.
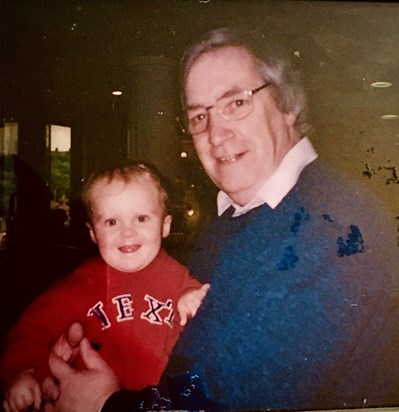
[(8, 148), (60, 180)]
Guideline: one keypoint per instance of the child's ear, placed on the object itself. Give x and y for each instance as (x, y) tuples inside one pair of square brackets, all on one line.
[(91, 231), (167, 222)]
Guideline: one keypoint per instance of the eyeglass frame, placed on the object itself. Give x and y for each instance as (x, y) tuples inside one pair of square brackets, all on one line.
[(249, 93)]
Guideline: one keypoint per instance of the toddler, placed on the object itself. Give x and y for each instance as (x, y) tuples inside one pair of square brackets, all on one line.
[(126, 298)]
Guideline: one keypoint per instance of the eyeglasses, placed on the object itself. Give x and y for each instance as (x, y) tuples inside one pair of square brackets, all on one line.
[(234, 107)]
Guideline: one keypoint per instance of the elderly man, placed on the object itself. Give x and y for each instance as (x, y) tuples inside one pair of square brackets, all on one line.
[(303, 311)]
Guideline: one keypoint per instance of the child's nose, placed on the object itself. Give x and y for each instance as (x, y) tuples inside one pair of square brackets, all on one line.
[(128, 230)]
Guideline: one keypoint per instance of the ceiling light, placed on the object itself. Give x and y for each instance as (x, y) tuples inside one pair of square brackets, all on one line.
[(389, 116), (117, 93), (381, 85)]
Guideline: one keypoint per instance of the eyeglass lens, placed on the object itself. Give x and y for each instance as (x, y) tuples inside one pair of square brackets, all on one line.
[(231, 108), (234, 107)]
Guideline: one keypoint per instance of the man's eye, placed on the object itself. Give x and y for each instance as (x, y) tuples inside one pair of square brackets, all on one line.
[(239, 102), (236, 104), (197, 118), (110, 222), (142, 218)]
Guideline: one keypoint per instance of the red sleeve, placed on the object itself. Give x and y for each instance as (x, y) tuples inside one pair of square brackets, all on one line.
[(188, 282), (179, 277), (27, 344)]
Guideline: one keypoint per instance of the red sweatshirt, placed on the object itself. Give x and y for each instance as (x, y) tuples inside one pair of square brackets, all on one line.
[(128, 317)]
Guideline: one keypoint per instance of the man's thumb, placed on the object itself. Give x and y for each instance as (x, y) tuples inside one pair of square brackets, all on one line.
[(75, 334)]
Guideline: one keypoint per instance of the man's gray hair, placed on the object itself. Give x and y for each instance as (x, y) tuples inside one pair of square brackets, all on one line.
[(272, 61)]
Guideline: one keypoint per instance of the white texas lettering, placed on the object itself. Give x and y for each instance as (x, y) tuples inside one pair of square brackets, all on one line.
[(155, 307), (124, 306)]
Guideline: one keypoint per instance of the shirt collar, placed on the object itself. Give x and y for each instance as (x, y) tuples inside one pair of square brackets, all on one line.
[(279, 183)]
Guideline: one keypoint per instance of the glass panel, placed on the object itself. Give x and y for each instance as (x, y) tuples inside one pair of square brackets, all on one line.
[(8, 148), (60, 180)]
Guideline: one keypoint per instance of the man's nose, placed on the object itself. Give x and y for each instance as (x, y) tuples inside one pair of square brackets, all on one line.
[(219, 128)]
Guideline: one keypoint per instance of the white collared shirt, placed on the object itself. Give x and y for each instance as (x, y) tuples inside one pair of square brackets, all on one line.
[(279, 183)]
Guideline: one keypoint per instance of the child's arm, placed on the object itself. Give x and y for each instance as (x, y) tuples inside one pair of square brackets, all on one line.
[(190, 301), (23, 393)]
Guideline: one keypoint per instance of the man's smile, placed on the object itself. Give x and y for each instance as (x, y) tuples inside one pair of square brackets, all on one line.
[(230, 159)]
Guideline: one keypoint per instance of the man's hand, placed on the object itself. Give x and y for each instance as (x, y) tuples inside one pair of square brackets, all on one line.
[(190, 302), (67, 345), (66, 348), (85, 390)]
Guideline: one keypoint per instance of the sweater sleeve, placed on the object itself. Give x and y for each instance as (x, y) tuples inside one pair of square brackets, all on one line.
[(123, 401), (28, 343), (178, 280), (188, 282), (182, 392), (177, 275)]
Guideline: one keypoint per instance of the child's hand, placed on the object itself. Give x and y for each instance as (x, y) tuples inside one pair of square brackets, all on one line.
[(190, 302), (23, 393)]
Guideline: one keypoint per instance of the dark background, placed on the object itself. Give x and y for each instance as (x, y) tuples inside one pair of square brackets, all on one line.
[(60, 61)]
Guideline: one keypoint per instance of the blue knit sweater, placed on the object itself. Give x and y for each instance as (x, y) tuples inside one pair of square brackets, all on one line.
[(303, 311)]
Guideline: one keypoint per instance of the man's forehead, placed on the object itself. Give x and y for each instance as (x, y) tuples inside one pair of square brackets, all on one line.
[(219, 72), (214, 61)]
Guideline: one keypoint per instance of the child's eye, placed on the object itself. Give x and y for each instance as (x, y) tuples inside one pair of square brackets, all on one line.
[(142, 218), (110, 222)]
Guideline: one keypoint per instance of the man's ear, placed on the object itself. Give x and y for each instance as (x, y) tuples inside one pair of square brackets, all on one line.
[(92, 233), (167, 222), (290, 118)]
